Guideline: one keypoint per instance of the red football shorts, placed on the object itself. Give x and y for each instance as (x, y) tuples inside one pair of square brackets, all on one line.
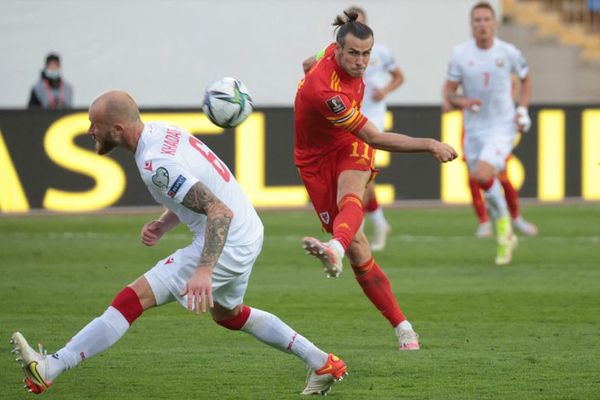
[(321, 177)]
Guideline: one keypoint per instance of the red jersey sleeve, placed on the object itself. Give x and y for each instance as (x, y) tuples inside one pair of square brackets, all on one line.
[(340, 111)]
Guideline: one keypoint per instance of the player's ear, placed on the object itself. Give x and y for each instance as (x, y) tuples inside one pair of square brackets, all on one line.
[(119, 129)]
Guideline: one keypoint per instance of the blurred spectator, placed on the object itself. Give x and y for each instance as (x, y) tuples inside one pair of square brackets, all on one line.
[(51, 90)]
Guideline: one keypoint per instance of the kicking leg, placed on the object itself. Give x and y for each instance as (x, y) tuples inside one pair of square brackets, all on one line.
[(325, 369)]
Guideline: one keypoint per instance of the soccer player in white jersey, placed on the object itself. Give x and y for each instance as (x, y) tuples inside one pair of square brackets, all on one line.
[(483, 67), (198, 189), (381, 77)]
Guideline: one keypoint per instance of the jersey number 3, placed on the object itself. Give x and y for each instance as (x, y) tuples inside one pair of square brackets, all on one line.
[(211, 158)]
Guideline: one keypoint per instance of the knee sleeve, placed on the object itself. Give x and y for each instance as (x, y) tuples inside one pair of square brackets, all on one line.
[(128, 304), (236, 323)]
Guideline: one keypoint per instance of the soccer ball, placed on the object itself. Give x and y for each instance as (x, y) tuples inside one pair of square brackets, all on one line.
[(227, 102)]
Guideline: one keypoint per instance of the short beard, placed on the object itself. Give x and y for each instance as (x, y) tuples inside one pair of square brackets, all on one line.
[(105, 146)]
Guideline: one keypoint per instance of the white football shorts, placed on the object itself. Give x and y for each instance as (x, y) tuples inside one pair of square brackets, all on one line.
[(493, 148), (229, 279)]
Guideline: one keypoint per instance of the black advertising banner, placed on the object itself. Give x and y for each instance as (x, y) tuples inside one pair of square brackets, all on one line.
[(47, 160)]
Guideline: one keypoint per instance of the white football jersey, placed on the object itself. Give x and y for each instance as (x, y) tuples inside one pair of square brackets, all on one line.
[(486, 74), (377, 75), (171, 161)]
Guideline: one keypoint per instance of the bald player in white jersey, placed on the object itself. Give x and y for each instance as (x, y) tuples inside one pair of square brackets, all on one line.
[(198, 189), (483, 67)]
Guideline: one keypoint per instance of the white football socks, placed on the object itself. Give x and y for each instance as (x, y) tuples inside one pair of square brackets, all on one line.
[(269, 329), (95, 337), (404, 325), (496, 200), (377, 217)]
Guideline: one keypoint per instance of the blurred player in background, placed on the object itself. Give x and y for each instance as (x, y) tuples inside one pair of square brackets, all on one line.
[(334, 153), (512, 199), (483, 68), (198, 189), (381, 77), (484, 229)]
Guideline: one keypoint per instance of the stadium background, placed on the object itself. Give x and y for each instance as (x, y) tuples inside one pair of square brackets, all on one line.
[(165, 53), (526, 331)]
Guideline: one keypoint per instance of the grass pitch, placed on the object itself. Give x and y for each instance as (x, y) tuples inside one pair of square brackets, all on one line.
[(530, 330)]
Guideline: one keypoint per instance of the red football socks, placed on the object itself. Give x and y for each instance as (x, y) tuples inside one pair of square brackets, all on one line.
[(348, 220), (512, 197), (478, 202), (377, 287)]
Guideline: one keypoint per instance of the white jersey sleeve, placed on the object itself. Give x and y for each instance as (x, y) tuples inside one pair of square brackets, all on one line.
[(454, 67), (517, 61), (389, 61)]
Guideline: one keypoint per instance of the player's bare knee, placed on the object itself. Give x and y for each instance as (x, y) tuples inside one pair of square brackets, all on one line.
[(144, 292), (483, 172), (359, 250)]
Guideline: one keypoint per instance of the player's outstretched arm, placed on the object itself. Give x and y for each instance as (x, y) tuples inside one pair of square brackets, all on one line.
[(218, 218), (399, 143), (154, 230)]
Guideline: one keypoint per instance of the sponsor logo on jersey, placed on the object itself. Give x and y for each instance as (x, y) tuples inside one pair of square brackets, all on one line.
[(176, 186), (336, 105), (169, 260), (148, 165), (324, 217), (161, 178)]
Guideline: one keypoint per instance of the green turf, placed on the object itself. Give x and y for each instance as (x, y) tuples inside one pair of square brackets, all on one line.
[(527, 331)]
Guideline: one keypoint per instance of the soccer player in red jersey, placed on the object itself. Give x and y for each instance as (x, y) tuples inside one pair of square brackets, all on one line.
[(334, 153)]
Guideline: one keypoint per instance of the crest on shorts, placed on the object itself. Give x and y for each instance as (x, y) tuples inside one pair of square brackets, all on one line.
[(161, 178), (500, 62), (324, 217), (336, 105)]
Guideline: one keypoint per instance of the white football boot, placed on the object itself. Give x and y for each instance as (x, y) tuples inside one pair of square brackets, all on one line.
[(34, 364), (321, 380), (525, 227), (381, 230), (408, 340), (484, 230), (330, 254)]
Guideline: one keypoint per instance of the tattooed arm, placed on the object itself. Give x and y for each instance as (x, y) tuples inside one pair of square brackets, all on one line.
[(218, 218)]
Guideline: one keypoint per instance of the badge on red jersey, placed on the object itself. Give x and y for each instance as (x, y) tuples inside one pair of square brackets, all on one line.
[(336, 105)]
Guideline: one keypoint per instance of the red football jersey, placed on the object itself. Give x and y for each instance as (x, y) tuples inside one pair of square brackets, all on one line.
[(326, 110)]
